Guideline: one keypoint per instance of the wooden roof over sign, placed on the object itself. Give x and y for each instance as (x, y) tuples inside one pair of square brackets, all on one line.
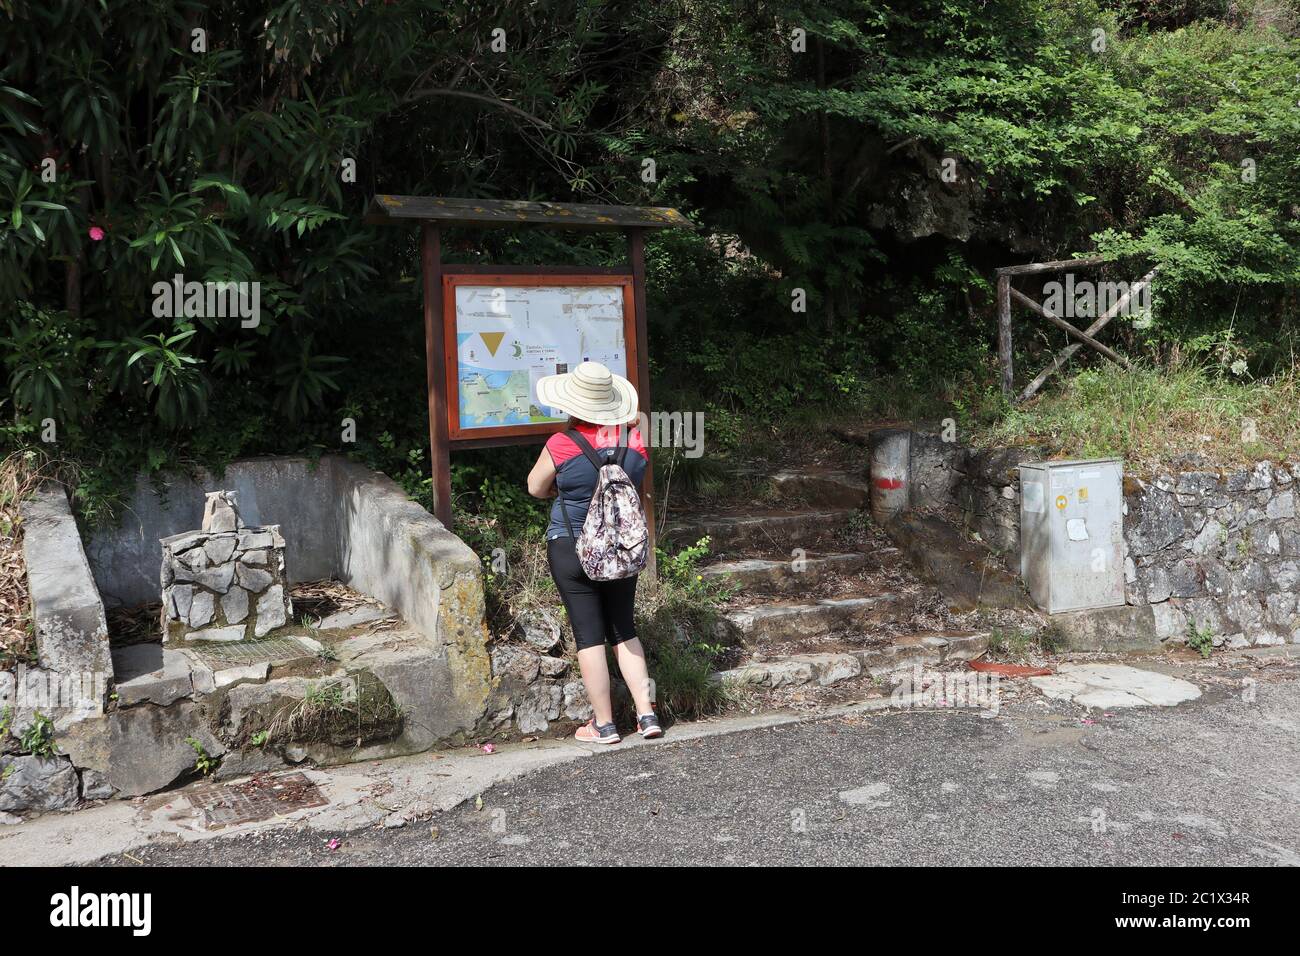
[(510, 212)]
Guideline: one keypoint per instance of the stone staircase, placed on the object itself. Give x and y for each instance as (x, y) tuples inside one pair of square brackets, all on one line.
[(819, 595)]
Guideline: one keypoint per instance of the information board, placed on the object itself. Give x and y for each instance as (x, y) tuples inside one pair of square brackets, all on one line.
[(504, 332)]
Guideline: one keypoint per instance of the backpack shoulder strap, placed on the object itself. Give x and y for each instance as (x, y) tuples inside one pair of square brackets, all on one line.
[(584, 446)]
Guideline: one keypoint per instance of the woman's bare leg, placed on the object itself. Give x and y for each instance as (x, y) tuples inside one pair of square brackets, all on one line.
[(595, 677), (631, 664)]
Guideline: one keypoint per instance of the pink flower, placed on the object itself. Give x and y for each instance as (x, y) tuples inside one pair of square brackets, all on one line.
[(96, 233), (489, 748), (333, 844)]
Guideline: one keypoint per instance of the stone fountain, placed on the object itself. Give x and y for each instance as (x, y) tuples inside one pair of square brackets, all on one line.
[(225, 582)]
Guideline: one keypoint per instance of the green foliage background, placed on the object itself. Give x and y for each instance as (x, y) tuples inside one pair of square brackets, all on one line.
[(1075, 126)]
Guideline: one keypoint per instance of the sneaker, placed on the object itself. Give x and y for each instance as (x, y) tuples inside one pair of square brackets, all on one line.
[(594, 733), (648, 724)]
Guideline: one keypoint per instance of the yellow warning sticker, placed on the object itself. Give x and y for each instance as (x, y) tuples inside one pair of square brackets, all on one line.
[(1083, 494)]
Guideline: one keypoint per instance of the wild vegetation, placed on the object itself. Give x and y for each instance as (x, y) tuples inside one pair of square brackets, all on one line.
[(870, 162)]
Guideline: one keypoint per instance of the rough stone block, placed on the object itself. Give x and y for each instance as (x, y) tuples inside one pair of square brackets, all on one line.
[(221, 512), (148, 749), (255, 539), (1155, 521), (71, 631), (234, 632), (219, 549), (37, 784), (234, 605), (149, 672), (202, 609), (254, 579), (273, 609), (1123, 628)]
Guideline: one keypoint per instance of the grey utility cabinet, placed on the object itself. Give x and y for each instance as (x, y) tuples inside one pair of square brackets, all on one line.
[(1072, 533)]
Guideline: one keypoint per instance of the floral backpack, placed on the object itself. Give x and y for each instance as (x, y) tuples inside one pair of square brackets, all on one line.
[(614, 541)]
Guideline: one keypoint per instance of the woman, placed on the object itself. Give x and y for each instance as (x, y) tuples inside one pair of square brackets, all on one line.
[(602, 407)]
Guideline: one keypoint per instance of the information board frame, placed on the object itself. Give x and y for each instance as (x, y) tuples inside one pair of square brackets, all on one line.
[(505, 278)]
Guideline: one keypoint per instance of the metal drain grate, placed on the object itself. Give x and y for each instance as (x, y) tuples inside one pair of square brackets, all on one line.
[(251, 652), (259, 798)]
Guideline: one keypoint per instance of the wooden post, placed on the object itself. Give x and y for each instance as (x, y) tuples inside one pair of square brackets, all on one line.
[(636, 257), (436, 372), (1004, 336)]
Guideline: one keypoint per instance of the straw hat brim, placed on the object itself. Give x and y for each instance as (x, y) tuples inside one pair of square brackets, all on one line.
[(619, 408)]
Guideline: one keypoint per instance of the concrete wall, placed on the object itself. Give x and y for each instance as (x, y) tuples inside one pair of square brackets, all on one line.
[(391, 548), (291, 492), (1218, 550), (71, 633)]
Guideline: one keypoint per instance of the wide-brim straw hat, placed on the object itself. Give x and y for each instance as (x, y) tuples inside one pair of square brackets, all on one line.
[(590, 392)]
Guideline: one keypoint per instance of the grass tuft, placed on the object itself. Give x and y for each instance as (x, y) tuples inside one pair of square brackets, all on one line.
[(1151, 416)]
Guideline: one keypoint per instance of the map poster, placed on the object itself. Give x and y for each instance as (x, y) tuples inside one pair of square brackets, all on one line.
[(504, 332)]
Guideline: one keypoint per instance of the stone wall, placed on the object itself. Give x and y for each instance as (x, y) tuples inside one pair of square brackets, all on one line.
[(1222, 548), (1216, 550)]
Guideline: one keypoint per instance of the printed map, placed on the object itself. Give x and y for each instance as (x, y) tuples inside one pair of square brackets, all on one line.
[(507, 337)]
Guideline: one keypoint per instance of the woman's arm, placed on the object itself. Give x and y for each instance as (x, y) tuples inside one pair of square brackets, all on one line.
[(541, 480)]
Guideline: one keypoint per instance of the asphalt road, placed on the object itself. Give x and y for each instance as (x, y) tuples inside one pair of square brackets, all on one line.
[(1212, 782)]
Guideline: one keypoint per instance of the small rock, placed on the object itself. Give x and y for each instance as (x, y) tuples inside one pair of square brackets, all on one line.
[(576, 706), (219, 550), (1282, 506), (176, 543), (181, 597), (250, 540), (254, 558), (233, 675), (235, 605), (534, 712), (271, 611), (221, 634), (253, 579), (553, 666), (217, 579), (510, 660), (202, 608), (540, 629), (220, 512), (38, 783), (95, 786), (394, 821), (1261, 476), (196, 559)]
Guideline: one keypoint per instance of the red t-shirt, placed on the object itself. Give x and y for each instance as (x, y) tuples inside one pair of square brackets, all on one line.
[(562, 447), (576, 477)]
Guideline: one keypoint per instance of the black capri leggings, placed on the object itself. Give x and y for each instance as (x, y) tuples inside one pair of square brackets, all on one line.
[(598, 610)]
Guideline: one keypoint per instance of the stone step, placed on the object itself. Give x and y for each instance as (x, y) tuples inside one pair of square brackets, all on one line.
[(816, 487), (765, 623), (968, 575), (763, 574), (779, 530), (912, 650), (824, 488)]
